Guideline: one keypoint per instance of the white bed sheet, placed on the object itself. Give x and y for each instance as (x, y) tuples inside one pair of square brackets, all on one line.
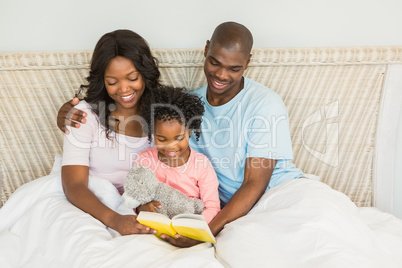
[(305, 223), (301, 223), (40, 228)]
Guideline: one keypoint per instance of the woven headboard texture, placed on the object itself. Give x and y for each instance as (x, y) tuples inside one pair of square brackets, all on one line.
[(333, 97)]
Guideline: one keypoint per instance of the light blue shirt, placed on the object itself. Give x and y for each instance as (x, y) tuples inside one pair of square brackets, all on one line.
[(254, 123)]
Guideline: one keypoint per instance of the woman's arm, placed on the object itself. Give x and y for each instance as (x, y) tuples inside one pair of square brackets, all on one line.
[(75, 186), (75, 175)]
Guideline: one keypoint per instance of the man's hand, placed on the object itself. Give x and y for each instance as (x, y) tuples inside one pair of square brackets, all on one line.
[(149, 207), (180, 241), (69, 116), (257, 174)]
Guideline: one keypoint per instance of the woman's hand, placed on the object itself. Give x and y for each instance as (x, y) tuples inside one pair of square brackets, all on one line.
[(180, 241), (69, 116), (75, 187), (149, 207), (128, 224)]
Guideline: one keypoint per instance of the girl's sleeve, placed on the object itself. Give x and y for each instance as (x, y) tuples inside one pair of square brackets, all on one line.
[(208, 185), (145, 159)]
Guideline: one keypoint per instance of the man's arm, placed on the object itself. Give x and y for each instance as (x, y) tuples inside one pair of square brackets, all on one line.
[(257, 175), (69, 116)]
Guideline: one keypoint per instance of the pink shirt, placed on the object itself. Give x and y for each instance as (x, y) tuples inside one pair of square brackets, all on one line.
[(196, 178)]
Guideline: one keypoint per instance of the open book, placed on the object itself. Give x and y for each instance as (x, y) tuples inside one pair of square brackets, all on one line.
[(189, 225)]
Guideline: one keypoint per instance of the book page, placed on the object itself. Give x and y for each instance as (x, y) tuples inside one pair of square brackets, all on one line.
[(195, 223), (194, 233), (156, 221), (146, 215), (189, 225), (193, 226), (189, 216)]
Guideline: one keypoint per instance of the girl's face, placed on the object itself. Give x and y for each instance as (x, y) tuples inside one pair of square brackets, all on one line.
[(171, 139), (124, 83)]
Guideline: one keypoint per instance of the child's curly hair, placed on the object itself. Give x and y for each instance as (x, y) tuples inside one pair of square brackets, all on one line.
[(172, 103)]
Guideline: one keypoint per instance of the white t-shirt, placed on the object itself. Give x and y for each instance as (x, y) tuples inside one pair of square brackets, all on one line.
[(107, 158)]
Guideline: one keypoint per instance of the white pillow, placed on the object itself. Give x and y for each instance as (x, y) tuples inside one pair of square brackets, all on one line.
[(56, 164)]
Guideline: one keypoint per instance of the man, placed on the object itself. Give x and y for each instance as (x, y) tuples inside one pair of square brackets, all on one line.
[(245, 128)]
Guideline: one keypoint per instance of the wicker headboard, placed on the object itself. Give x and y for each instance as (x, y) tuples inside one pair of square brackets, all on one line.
[(333, 96)]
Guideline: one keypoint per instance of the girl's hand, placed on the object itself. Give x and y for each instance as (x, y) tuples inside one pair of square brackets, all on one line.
[(128, 224), (180, 241), (149, 207)]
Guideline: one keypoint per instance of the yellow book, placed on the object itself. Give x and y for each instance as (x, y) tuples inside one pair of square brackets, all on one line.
[(189, 225)]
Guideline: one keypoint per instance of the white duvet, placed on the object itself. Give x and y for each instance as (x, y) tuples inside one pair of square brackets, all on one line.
[(305, 223), (301, 223)]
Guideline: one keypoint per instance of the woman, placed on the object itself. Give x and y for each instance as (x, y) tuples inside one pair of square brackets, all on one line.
[(122, 77)]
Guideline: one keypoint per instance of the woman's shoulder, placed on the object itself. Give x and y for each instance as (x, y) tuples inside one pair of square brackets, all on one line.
[(83, 105), (92, 119), (86, 107)]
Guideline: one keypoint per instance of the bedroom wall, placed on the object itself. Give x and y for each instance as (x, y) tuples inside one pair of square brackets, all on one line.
[(398, 172), (77, 24)]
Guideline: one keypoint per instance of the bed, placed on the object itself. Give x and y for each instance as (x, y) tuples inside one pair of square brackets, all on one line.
[(343, 104)]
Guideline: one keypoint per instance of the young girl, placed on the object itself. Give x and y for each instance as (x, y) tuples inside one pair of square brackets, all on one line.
[(171, 120)]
